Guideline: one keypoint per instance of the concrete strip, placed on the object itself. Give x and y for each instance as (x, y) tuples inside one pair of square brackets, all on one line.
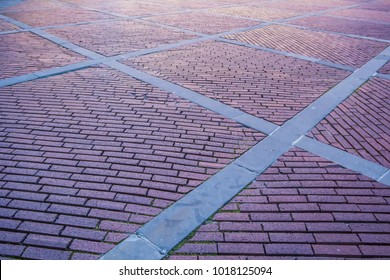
[(382, 76), (345, 159), (385, 178), (18, 79), (129, 249)]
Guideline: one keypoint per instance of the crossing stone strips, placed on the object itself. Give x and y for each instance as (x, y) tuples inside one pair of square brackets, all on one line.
[(172, 129)]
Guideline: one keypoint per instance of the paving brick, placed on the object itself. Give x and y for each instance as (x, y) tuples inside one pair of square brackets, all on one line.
[(12, 237), (47, 241), (291, 237), (288, 249), (336, 238), (90, 246), (35, 216), (23, 56), (68, 209), (11, 250), (240, 248), (44, 228), (77, 221), (362, 114), (118, 226), (312, 44), (375, 251), (337, 250), (83, 233), (213, 75), (45, 254)]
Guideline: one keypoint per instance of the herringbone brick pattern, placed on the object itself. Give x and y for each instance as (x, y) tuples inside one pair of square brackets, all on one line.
[(334, 48), (360, 124), (301, 207), (271, 86), (89, 156), (58, 16), (31, 53), (383, 16), (121, 37), (343, 25), (260, 13), (203, 22)]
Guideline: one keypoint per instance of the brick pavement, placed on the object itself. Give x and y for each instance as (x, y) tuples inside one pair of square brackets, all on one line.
[(142, 108)]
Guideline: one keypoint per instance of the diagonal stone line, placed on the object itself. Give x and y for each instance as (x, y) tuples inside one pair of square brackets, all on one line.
[(171, 226), (383, 76)]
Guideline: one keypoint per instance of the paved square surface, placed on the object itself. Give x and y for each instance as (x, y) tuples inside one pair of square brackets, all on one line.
[(227, 129)]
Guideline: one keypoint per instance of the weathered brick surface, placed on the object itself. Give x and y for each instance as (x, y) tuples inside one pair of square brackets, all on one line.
[(30, 53), (360, 124), (272, 86), (334, 48), (56, 16), (347, 26), (75, 192), (256, 12), (5, 26), (123, 36), (380, 15), (303, 229), (203, 22)]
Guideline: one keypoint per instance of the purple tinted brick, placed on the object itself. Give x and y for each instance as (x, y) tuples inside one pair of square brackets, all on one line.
[(336, 250), (21, 178), (96, 194), (11, 250), (327, 227), (134, 199), (109, 205), (288, 249), (22, 186), (47, 241), (270, 217), (65, 199), (59, 190), (208, 236), (29, 205), (57, 182), (68, 209), (231, 216), (28, 195), (256, 237), (292, 237), (241, 248), (84, 233), (299, 207), (337, 238), (80, 256), (198, 248), (7, 213), (118, 226), (112, 215), (90, 246), (312, 217), (77, 221), (115, 237), (353, 217), (232, 226), (375, 238), (140, 209), (284, 226), (9, 224), (375, 251), (40, 228), (35, 216), (11, 236), (370, 227), (45, 254), (93, 186)]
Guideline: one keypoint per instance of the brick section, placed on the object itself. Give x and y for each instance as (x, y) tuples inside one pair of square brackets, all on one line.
[(381, 16), (124, 7), (348, 26), (360, 124), (5, 26), (271, 86), (56, 16), (334, 48), (380, 5), (253, 12), (385, 69), (203, 22), (277, 216), (124, 36), (22, 53), (96, 154)]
